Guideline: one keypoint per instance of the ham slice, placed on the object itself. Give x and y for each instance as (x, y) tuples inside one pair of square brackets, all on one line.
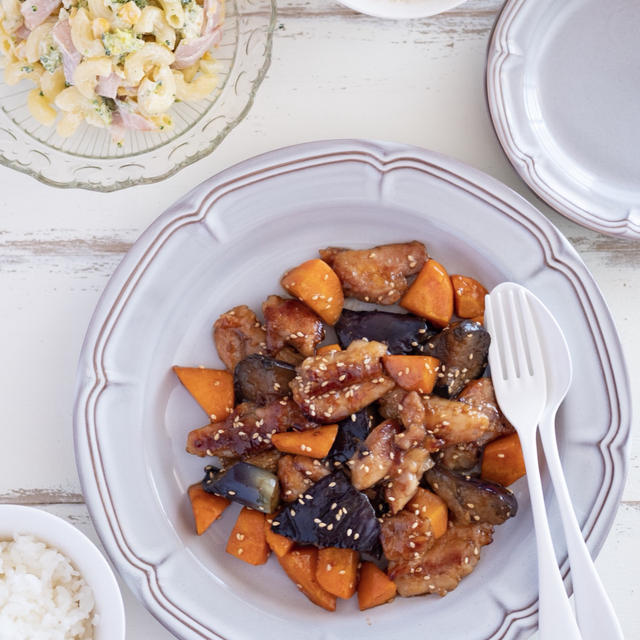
[(35, 12), (107, 86), (127, 119), (71, 57), (22, 32), (189, 52)]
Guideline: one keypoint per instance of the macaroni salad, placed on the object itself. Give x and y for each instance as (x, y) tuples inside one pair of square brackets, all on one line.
[(113, 63)]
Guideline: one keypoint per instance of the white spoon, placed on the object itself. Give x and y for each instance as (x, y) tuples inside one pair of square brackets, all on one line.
[(596, 617)]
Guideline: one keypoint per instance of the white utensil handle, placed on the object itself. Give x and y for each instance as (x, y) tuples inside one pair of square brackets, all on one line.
[(555, 615), (596, 617)]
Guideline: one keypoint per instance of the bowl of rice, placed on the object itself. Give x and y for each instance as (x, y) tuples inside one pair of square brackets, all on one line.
[(54, 582)]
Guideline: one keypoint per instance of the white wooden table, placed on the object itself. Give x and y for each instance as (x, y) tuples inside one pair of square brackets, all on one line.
[(334, 74)]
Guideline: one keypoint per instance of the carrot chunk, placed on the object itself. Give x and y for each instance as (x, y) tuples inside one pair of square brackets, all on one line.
[(327, 348), (431, 294), (300, 565), (337, 571), (211, 388), (434, 507), (280, 545), (248, 539), (502, 460), (413, 373), (315, 443), (205, 506), (316, 284), (468, 296), (375, 587)]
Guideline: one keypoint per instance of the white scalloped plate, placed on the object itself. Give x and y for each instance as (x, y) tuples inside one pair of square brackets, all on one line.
[(227, 242), (563, 84)]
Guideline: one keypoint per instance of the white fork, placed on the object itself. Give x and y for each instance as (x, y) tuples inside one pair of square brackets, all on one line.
[(518, 373)]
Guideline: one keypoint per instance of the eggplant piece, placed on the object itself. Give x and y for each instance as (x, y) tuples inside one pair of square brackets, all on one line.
[(244, 483), (462, 349), (402, 332), (331, 513), (470, 499), (351, 432), (260, 379)]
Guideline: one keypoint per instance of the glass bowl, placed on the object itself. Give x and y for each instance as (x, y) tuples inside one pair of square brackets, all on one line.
[(90, 160)]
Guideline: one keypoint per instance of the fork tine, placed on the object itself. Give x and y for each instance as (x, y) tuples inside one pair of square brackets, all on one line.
[(520, 335), (497, 369), (534, 342), (504, 338)]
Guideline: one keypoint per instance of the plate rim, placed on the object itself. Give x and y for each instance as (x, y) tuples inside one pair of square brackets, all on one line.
[(558, 254), (395, 12), (524, 163)]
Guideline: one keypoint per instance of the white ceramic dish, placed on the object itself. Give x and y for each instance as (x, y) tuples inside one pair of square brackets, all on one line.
[(226, 243), (401, 9), (84, 555), (563, 83)]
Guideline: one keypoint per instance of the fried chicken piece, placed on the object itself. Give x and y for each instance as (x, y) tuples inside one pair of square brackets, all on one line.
[(406, 473), (373, 461), (265, 460), (297, 473), (480, 395), (440, 569), (248, 430), (413, 416), (332, 386), (453, 422), (237, 334), (378, 274), (290, 322), (406, 534)]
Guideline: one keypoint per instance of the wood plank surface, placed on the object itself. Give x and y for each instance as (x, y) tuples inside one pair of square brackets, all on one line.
[(334, 74)]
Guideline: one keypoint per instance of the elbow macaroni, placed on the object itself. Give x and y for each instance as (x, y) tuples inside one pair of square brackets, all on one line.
[(124, 49)]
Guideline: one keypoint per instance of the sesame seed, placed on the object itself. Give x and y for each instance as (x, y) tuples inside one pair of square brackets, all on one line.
[(349, 532), (240, 551), (292, 512), (356, 536), (329, 566), (231, 493), (239, 536), (330, 526)]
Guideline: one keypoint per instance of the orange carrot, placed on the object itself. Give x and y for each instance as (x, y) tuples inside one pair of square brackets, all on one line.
[(327, 348), (431, 294), (315, 443), (375, 587), (206, 507), (502, 460), (413, 373), (468, 296), (432, 506), (248, 540), (211, 388), (280, 545), (337, 571), (300, 565), (316, 284)]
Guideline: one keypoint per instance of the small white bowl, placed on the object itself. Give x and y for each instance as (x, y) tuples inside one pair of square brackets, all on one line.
[(401, 9), (83, 554)]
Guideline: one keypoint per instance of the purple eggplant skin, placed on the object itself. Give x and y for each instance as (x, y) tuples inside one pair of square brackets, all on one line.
[(402, 332), (331, 513), (351, 432), (462, 349), (245, 484), (472, 499), (260, 379)]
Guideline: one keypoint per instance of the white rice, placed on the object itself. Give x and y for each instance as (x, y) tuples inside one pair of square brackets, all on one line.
[(42, 596)]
